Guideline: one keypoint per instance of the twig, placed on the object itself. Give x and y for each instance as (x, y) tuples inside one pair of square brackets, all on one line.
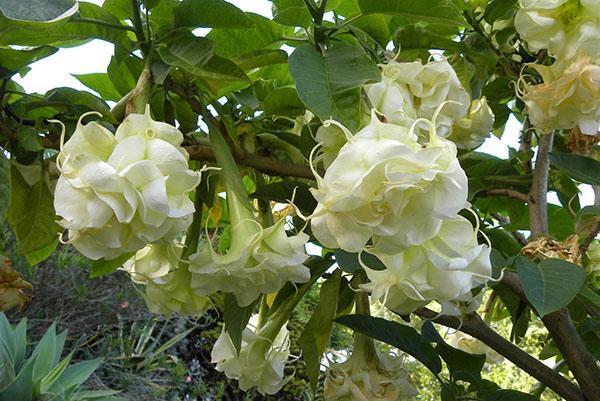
[(138, 27), (511, 193), (474, 326)]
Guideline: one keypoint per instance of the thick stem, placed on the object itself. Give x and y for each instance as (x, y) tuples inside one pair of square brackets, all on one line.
[(474, 326), (538, 202), (138, 27), (511, 193), (571, 346)]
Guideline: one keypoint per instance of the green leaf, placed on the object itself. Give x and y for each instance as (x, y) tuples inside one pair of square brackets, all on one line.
[(291, 12), (102, 267), (4, 186), (29, 139), (31, 214), (210, 13), (75, 375), (317, 332), (73, 101), (264, 33), (284, 191), (551, 284), (13, 60), (283, 101), (500, 10), (330, 84), (236, 318), (510, 395), (403, 337), (38, 10), (100, 83), (188, 52), (581, 168), (350, 263), (435, 11), (261, 58), (585, 219)]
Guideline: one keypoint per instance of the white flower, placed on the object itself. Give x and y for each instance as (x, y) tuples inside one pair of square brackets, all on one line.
[(470, 131), (444, 268), (331, 138), (167, 281), (261, 361), (118, 193), (568, 98), (409, 91), (259, 260), (368, 375), (472, 345), (564, 27), (387, 187)]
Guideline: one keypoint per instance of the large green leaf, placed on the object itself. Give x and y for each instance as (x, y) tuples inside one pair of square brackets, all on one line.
[(188, 52), (67, 32), (435, 11), (291, 12), (317, 332), (330, 84), (31, 215), (103, 266), (350, 263), (210, 13), (403, 337), (13, 60), (236, 318), (232, 43), (38, 10), (100, 83), (551, 284), (510, 395), (283, 101), (582, 168)]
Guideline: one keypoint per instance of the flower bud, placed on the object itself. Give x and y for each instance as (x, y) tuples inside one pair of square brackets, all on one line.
[(444, 268), (568, 98), (260, 362)]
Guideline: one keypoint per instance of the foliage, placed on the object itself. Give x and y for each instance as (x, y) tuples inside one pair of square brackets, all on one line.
[(333, 110)]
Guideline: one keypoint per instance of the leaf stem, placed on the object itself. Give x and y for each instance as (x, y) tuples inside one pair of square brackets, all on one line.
[(102, 23)]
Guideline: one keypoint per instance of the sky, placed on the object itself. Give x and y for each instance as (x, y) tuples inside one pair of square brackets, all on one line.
[(55, 71)]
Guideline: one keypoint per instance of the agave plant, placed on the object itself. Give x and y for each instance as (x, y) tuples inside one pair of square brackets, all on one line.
[(41, 374)]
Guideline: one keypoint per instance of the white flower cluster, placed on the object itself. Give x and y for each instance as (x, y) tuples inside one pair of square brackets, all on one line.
[(411, 91), (117, 193), (569, 30), (397, 198), (260, 362)]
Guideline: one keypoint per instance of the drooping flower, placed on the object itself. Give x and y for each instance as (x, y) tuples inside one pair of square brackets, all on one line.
[(444, 268), (167, 281), (568, 98), (409, 91), (469, 344), (258, 261), (387, 187), (564, 27), (368, 375), (331, 138), (470, 131), (261, 360), (117, 193)]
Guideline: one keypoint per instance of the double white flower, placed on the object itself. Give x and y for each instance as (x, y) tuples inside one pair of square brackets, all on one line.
[(387, 187), (260, 362), (259, 260), (117, 193), (368, 375), (410, 91), (569, 97), (444, 268), (167, 281), (564, 27)]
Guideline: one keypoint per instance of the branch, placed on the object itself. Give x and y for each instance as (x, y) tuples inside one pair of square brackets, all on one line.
[(596, 229), (571, 346), (138, 27), (538, 202), (474, 326), (511, 193)]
